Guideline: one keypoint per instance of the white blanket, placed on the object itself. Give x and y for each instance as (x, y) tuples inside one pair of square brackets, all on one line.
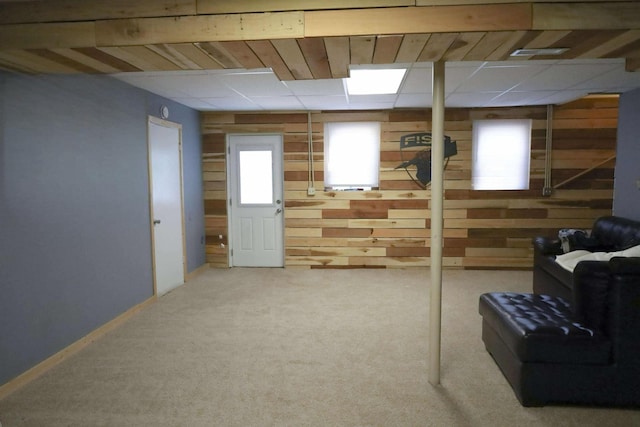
[(569, 260)]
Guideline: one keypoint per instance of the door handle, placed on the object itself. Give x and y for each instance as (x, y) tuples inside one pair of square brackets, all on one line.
[(156, 221), (278, 211)]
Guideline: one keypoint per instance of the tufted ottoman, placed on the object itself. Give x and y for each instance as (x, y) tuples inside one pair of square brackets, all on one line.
[(536, 343)]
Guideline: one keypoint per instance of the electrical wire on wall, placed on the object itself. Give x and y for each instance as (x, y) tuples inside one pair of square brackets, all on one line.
[(311, 189), (546, 189)]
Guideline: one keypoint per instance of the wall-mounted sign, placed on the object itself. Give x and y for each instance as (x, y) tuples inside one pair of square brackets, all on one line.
[(417, 146)]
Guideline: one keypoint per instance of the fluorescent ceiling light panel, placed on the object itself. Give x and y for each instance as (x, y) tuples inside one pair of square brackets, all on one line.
[(375, 82)]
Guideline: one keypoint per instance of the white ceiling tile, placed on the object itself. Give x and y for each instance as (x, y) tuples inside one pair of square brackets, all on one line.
[(467, 84), (561, 96), (237, 103), (411, 100), (562, 76), (417, 80), (470, 99), (317, 102), (256, 84), (615, 79), (278, 102), (327, 87)]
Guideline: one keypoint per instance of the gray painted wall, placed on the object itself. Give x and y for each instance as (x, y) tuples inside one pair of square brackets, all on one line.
[(626, 195), (75, 247)]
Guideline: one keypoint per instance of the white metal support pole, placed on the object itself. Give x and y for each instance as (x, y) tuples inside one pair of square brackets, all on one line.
[(437, 197)]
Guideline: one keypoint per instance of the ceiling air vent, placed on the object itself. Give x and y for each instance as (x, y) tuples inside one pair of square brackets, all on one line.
[(540, 52)]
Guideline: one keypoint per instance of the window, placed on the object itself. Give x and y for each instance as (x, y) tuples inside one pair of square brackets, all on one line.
[(256, 177), (351, 155), (501, 154)]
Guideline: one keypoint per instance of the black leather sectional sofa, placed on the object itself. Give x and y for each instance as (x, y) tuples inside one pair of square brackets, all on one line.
[(608, 234), (576, 338)]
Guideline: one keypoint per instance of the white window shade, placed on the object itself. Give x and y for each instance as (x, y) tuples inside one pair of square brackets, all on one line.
[(351, 155), (501, 154)]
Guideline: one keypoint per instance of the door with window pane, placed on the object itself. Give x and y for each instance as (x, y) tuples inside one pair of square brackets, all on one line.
[(256, 216)]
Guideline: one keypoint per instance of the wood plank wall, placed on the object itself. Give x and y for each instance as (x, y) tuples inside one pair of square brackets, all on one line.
[(389, 228)]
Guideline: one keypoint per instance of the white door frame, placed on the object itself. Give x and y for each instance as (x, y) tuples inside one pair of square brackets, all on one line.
[(178, 126), (231, 176)]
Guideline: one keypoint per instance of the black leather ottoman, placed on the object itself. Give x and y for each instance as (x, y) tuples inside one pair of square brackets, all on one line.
[(537, 345)]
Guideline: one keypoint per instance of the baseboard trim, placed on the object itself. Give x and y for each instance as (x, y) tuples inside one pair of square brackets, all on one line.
[(72, 349), (198, 271)]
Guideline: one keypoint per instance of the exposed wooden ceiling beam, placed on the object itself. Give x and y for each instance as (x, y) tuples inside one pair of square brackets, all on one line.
[(202, 28), (42, 36), (413, 20), (304, 39), (586, 16), (248, 6)]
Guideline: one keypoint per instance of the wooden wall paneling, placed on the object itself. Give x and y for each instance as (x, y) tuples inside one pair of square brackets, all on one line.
[(389, 228)]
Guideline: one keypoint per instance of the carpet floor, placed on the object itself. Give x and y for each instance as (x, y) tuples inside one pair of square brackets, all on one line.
[(293, 347)]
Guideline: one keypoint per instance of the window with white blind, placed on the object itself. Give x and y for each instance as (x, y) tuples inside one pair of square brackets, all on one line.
[(501, 154), (351, 155)]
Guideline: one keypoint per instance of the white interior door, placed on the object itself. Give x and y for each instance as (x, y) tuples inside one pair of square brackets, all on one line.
[(165, 169), (256, 207)]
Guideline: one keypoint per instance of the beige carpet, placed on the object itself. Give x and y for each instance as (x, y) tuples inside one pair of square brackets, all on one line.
[(274, 347)]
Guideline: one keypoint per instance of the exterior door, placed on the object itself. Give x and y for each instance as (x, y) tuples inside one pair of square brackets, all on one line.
[(167, 230), (255, 200)]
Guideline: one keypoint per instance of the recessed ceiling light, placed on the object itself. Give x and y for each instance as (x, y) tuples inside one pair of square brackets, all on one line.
[(375, 82), (542, 51)]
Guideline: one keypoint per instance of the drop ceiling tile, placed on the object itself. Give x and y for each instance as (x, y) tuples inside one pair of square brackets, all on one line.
[(499, 78), (615, 79), (202, 86), (470, 99), (329, 87), (563, 76), (256, 84), (417, 80), (197, 104), (232, 104), (414, 100), (149, 84), (314, 102), (561, 97), (277, 102)]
